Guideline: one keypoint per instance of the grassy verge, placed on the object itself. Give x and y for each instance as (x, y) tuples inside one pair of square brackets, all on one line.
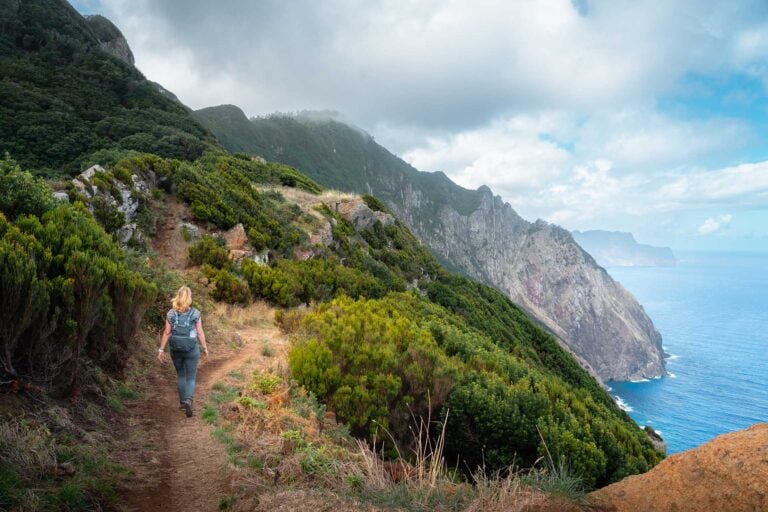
[(279, 437), (48, 463)]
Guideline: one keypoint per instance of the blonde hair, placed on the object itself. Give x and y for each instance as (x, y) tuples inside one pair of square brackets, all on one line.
[(183, 299)]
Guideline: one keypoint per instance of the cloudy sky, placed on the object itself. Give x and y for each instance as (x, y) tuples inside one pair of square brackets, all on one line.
[(642, 116)]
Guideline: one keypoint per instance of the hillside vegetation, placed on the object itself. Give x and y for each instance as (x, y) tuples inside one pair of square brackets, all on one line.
[(333, 154), (69, 296), (393, 334), (63, 98)]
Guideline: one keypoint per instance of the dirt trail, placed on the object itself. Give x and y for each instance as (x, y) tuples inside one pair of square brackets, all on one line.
[(182, 467), (169, 241)]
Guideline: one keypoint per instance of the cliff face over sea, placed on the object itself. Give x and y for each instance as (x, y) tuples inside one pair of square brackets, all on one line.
[(539, 266), (618, 249)]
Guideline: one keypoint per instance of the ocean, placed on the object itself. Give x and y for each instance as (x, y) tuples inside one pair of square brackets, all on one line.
[(712, 312)]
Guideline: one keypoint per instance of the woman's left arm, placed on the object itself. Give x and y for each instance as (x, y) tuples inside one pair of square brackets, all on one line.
[(201, 336)]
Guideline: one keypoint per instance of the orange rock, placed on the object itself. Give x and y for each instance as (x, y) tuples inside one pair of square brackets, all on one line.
[(236, 238), (237, 255), (728, 473)]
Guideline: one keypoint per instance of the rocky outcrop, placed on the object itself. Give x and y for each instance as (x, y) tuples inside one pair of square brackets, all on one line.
[(656, 440), (618, 249), (110, 38), (727, 473), (99, 187), (239, 248), (542, 269), (361, 215)]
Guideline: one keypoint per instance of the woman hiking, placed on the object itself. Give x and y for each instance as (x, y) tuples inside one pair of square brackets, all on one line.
[(184, 327)]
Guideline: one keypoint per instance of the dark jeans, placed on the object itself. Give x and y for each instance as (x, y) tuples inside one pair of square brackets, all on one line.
[(186, 371)]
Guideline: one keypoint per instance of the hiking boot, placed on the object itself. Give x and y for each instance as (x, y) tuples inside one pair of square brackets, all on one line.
[(181, 406), (188, 408)]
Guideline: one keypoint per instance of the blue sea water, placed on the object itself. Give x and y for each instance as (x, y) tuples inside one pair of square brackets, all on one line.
[(712, 312)]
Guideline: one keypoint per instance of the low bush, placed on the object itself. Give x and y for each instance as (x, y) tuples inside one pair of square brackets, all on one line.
[(227, 287), (209, 251), (378, 362)]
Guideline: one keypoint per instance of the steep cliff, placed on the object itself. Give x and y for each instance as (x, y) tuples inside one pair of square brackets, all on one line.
[(539, 266), (110, 38), (619, 249)]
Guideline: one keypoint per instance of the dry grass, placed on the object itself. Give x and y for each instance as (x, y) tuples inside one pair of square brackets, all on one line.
[(27, 448), (288, 452), (308, 201), (257, 314)]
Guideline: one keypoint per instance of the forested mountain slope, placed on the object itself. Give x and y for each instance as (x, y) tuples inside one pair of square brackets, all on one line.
[(64, 95)]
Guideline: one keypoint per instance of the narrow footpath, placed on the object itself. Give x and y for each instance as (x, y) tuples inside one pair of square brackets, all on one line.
[(183, 468), (175, 463)]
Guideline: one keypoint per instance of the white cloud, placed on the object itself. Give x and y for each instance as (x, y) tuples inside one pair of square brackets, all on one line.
[(568, 168), (508, 155), (714, 224), (746, 184), (643, 139), (435, 63)]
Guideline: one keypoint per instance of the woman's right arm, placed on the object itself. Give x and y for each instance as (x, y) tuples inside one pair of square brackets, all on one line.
[(164, 342)]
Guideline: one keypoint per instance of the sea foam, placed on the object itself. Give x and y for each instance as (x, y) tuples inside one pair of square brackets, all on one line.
[(624, 406)]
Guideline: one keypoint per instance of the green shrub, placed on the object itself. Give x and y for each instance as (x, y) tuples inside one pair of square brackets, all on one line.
[(21, 193), (251, 403), (265, 383), (289, 283), (371, 364), (63, 278), (271, 283), (228, 288), (210, 251)]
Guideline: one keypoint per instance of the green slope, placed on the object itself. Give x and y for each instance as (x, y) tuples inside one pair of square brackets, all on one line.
[(63, 98), (334, 154)]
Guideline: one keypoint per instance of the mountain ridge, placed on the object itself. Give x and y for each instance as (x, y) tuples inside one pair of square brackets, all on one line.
[(538, 265), (620, 249)]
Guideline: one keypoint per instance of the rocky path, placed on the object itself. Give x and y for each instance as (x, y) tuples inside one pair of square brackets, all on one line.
[(178, 465)]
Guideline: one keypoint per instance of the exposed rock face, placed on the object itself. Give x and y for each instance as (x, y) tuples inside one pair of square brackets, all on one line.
[(728, 473), (237, 243), (360, 215), (542, 269), (110, 38), (192, 231), (130, 197), (656, 439), (618, 249)]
